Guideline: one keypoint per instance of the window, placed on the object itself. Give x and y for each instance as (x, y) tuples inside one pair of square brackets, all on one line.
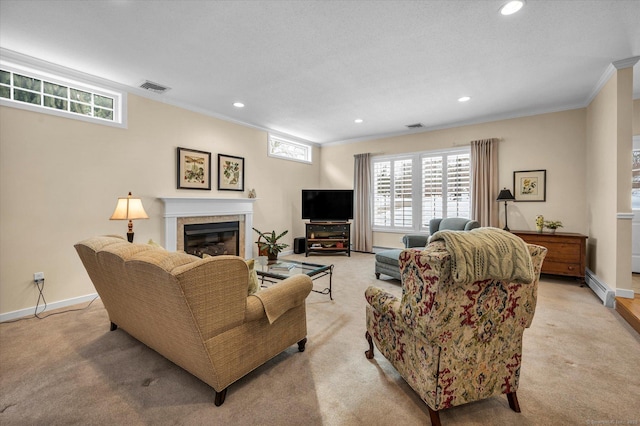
[(289, 150), (409, 191), (29, 89)]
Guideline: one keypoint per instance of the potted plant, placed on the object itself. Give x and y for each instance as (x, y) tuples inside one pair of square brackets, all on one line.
[(552, 225), (268, 244)]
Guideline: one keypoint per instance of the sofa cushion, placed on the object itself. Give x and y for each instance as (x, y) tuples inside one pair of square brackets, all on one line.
[(388, 256), (254, 284), (154, 244)]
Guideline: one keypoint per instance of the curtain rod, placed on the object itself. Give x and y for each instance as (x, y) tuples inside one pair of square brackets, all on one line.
[(469, 143)]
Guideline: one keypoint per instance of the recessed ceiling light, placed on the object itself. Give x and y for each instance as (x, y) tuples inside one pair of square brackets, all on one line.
[(358, 120), (238, 104), (511, 7), (464, 99)]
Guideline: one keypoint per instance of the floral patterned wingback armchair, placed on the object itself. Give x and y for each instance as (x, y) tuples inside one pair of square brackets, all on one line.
[(455, 335)]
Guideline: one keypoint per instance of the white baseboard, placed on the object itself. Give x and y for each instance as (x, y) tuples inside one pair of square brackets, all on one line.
[(50, 306), (602, 290), (623, 292)]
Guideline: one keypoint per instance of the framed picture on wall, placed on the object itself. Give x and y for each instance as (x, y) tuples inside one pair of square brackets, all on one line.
[(194, 169), (530, 185), (230, 173)]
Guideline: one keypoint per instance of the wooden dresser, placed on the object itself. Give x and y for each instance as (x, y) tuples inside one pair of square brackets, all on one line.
[(566, 253)]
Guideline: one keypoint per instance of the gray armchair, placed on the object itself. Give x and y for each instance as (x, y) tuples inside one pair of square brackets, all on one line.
[(452, 224), (387, 260)]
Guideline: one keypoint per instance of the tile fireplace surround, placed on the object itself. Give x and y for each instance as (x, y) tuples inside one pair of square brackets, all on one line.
[(179, 211)]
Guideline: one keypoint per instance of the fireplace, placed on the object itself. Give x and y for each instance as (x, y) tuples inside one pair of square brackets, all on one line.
[(182, 211), (213, 239)]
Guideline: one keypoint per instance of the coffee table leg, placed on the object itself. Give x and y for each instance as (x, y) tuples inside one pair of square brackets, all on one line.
[(330, 279), (326, 290)]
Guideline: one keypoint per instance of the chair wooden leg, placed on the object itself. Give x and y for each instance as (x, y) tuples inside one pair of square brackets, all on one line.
[(301, 344), (220, 397), (435, 417), (369, 353), (513, 401)]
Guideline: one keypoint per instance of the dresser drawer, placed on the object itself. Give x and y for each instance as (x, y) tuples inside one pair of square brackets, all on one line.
[(559, 268), (562, 252)]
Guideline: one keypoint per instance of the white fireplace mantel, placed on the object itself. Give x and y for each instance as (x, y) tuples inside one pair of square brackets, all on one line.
[(176, 207)]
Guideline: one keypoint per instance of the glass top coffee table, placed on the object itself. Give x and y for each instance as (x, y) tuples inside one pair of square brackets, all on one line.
[(283, 269)]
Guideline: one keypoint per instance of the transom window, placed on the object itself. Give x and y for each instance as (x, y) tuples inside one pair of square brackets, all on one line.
[(289, 150), (58, 95), (410, 190)]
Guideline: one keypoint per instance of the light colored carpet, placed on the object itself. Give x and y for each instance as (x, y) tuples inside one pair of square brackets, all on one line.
[(581, 365)]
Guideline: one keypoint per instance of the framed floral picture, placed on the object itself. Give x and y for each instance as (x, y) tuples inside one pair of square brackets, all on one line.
[(194, 169), (230, 173), (530, 185)]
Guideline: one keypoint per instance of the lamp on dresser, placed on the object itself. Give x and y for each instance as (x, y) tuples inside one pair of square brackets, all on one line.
[(505, 195), (129, 208)]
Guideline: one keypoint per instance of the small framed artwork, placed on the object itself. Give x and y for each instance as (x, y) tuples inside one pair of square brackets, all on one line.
[(530, 185), (230, 173), (194, 169)]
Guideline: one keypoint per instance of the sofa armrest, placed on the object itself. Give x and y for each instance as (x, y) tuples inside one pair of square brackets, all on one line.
[(280, 297), (415, 240), (472, 224), (381, 300), (434, 226), (255, 310)]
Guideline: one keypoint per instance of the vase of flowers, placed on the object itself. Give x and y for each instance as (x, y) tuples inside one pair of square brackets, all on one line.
[(539, 223)]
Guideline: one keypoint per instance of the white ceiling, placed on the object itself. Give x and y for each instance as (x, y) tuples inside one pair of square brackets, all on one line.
[(309, 68)]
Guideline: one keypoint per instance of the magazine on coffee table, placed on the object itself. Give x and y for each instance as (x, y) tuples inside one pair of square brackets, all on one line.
[(282, 266)]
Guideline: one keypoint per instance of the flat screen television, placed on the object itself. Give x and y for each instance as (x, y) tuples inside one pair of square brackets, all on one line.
[(327, 205)]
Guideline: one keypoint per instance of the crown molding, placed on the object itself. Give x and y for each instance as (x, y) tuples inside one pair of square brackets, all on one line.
[(608, 73), (626, 63), (21, 59)]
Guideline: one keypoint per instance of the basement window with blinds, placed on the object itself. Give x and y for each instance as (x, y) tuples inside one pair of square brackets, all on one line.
[(42, 92), (288, 150), (410, 190)]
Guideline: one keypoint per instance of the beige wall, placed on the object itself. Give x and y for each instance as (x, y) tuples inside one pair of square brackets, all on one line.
[(60, 178), (609, 146), (555, 142)]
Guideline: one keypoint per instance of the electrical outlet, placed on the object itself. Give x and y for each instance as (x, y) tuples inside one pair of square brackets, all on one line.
[(38, 276)]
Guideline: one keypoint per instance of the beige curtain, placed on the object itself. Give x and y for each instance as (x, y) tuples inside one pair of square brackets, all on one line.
[(484, 182), (362, 227)]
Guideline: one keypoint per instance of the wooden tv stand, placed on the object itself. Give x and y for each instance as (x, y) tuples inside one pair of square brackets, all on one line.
[(566, 252), (327, 237)]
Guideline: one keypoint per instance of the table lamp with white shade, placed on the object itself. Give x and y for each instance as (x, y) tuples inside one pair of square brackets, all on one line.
[(129, 208)]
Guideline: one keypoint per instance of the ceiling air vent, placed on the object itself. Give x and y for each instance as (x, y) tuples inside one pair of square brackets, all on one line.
[(154, 87), (415, 126)]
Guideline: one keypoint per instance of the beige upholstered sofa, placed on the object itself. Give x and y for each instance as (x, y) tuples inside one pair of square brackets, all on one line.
[(196, 312), (455, 335)]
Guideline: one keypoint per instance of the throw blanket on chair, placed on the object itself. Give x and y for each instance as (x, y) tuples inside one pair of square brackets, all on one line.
[(486, 253)]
